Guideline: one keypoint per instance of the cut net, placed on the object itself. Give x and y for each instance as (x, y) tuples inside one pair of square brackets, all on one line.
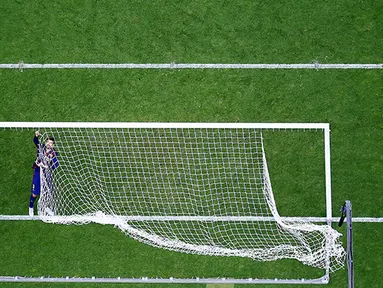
[(202, 191)]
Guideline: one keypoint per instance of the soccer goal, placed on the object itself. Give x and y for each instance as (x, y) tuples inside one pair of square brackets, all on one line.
[(200, 188)]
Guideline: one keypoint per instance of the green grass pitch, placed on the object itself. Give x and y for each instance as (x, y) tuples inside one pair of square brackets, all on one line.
[(219, 31)]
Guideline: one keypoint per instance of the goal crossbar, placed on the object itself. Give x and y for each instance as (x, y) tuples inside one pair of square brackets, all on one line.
[(162, 125)]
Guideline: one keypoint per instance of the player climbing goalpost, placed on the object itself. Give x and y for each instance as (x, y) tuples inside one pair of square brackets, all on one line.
[(201, 188)]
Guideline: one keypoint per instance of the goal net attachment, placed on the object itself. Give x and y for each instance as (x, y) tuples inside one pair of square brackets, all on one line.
[(346, 214), (200, 188)]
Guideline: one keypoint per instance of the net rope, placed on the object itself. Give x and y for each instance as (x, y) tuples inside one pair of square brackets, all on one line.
[(179, 189)]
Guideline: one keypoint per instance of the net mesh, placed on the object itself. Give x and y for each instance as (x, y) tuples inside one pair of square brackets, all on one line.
[(202, 191)]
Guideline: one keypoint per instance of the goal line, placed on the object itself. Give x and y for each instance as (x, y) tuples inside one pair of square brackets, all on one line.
[(199, 218), (314, 65)]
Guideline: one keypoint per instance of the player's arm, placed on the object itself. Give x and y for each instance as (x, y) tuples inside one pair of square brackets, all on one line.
[(38, 145), (36, 139)]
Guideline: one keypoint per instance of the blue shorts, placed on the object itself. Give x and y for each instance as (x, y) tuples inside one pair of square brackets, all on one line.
[(35, 189)]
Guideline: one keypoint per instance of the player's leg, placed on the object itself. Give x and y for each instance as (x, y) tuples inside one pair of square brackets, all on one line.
[(35, 191), (31, 204)]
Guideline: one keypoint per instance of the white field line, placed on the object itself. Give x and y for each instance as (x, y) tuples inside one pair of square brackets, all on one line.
[(314, 65), (218, 282), (197, 218)]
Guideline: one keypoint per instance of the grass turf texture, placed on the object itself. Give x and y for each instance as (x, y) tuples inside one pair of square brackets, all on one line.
[(237, 32), (220, 96), (184, 31), (109, 253)]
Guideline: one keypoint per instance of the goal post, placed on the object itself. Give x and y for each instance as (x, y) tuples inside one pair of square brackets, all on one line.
[(200, 188)]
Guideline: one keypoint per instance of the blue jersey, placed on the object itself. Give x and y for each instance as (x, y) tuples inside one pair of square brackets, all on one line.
[(49, 158)]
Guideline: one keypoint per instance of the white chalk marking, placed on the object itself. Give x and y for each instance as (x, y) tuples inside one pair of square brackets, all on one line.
[(314, 65), (199, 218)]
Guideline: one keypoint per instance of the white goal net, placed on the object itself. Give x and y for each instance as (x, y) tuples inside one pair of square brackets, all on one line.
[(202, 190)]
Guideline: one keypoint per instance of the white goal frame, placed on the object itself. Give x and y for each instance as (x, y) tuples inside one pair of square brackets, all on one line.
[(325, 127)]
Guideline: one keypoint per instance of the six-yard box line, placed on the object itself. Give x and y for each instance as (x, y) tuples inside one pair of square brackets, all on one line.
[(315, 65)]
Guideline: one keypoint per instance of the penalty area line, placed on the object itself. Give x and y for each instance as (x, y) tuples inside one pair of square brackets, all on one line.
[(315, 65), (310, 219)]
